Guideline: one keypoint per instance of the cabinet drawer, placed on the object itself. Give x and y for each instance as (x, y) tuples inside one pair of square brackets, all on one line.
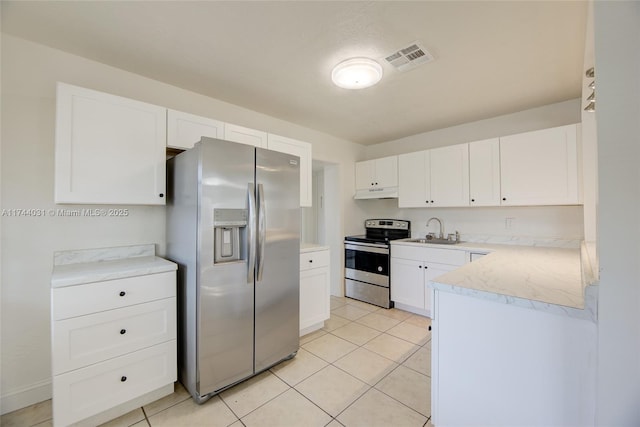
[(88, 391), (82, 341), (424, 254), (79, 300), (445, 256), (309, 260)]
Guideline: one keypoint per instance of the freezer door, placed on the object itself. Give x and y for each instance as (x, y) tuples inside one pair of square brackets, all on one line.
[(225, 289), (277, 286)]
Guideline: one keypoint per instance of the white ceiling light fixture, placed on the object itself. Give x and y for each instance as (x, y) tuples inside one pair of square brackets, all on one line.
[(356, 73)]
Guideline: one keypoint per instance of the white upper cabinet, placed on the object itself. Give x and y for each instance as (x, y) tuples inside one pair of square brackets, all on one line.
[(540, 168), (377, 178), (484, 172), (109, 149), (302, 150), (184, 129), (450, 176), (437, 177), (414, 179), (243, 135)]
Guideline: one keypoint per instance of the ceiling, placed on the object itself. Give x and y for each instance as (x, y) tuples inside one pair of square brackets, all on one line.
[(491, 58)]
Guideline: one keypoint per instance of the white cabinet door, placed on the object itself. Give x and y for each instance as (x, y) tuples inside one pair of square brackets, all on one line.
[(449, 167), (377, 173), (407, 282), (484, 172), (244, 135), (184, 129), (302, 150), (431, 271), (386, 172), (314, 297), (365, 175), (414, 180), (540, 168), (109, 149), (314, 290)]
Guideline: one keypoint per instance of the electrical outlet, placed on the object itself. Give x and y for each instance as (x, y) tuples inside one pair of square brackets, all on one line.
[(509, 222)]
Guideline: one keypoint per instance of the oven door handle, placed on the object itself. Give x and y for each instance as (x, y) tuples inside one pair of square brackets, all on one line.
[(367, 247)]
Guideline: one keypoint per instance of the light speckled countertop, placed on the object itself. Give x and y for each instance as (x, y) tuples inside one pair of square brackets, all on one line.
[(531, 276), (312, 247), (96, 265)]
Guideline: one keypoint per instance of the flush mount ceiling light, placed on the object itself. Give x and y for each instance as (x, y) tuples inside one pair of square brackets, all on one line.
[(356, 73)]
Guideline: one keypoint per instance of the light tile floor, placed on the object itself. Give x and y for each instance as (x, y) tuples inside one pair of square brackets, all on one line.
[(367, 367)]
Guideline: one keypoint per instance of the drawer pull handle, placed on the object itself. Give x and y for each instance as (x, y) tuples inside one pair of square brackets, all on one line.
[(123, 378), (122, 293), (310, 260), (123, 331)]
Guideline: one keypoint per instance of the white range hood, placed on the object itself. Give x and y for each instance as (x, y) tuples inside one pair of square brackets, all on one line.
[(377, 193)]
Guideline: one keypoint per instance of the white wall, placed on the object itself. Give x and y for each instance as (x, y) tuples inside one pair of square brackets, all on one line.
[(29, 74), (617, 55), (527, 222), (561, 113), (544, 222)]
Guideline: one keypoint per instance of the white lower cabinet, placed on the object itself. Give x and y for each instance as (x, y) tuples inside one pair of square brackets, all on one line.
[(84, 392), (314, 290), (112, 342), (412, 270), (499, 364)]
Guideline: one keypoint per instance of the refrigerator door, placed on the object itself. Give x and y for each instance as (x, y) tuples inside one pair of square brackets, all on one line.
[(226, 289), (277, 295)]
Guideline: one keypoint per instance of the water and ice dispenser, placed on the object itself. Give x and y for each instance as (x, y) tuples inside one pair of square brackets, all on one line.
[(229, 228)]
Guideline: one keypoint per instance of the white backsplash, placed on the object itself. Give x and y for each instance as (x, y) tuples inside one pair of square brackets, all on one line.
[(557, 226)]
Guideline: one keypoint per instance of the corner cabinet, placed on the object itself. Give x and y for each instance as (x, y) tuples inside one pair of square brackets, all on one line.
[(109, 149), (314, 289), (184, 129), (437, 177), (540, 168), (302, 150)]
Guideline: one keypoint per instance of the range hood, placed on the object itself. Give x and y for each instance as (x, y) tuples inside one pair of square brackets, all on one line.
[(377, 193)]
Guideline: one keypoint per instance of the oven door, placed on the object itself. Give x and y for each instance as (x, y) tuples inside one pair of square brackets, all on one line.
[(367, 262)]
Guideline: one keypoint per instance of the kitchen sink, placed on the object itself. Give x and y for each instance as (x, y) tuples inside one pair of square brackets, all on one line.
[(434, 240)]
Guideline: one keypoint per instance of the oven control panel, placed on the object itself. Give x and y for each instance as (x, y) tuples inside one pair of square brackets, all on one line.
[(394, 224)]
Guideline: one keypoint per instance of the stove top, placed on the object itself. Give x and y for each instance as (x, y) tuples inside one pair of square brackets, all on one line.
[(382, 231)]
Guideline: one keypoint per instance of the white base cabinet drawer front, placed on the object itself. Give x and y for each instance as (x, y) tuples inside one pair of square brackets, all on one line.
[(316, 259), (87, 391), (84, 340), (72, 301), (440, 256)]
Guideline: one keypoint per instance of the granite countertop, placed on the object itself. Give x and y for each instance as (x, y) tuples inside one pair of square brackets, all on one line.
[(312, 247), (96, 265), (547, 275)]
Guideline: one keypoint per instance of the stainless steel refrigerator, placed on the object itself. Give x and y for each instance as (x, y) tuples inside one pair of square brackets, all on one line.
[(233, 227)]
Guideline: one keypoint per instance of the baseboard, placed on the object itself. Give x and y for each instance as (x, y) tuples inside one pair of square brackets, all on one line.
[(25, 396)]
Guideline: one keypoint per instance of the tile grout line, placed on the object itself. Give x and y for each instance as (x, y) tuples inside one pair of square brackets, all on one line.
[(419, 346)]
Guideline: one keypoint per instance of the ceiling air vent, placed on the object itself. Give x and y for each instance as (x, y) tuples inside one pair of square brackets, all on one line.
[(409, 57)]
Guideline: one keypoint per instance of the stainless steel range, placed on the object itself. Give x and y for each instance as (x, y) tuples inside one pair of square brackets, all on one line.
[(367, 260)]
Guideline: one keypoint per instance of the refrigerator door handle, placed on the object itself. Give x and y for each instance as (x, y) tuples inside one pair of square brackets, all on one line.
[(251, 233), (262, 230)]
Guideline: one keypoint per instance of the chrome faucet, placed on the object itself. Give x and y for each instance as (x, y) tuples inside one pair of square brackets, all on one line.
[(441, 226)]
